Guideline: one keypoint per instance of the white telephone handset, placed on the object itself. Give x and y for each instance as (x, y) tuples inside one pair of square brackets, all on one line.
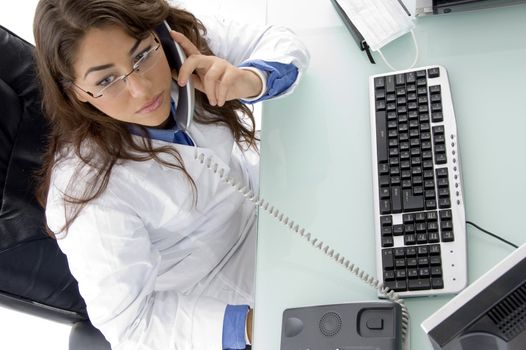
[(176, 56), (209, 163)]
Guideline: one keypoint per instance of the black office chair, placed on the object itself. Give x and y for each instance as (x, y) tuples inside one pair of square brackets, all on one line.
[(34, 274)]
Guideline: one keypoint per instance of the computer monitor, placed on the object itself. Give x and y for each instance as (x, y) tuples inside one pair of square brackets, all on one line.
[(490, 314), (436, 7)]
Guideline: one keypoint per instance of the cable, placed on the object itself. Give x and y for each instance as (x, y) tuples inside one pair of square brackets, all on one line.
[(491, 234), (417, 53), (209, 163)]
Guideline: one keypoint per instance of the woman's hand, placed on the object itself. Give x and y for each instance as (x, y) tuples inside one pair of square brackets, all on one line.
[(216, 77)]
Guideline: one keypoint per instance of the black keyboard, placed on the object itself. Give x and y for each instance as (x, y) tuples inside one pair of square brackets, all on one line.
[(419, 207)]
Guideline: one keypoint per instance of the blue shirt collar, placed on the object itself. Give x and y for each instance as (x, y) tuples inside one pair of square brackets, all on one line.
[(172, 133)]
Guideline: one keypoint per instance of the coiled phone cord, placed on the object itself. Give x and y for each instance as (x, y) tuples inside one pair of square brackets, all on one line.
[(315, 242)]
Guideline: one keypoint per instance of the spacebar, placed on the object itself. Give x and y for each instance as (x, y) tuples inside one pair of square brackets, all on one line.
[(412, 203)]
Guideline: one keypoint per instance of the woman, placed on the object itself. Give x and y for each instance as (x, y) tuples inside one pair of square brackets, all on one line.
[(163, 250)]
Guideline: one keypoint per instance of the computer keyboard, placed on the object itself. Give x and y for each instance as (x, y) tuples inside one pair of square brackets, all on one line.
[(418, 201)]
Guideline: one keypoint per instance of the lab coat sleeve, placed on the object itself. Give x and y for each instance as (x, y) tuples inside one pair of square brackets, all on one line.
[(111, 256), (239, 43)]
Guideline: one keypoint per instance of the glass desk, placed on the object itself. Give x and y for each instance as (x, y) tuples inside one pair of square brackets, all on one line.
[(316, 154)]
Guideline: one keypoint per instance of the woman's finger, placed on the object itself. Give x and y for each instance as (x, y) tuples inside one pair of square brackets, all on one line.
[(223, 88), (211, 79), (188, 47), (194, 63)]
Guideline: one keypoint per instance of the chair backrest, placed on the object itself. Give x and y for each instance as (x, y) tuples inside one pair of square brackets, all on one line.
[(34, 275)]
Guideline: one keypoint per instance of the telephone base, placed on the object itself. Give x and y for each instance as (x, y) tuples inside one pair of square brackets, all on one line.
[(360, 325)]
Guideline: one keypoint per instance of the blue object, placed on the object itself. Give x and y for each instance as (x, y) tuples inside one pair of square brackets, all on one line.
[(280, 77), (170, 134), (234, 327)]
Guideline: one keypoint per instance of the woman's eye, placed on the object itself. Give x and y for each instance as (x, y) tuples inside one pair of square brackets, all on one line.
[(141, 55), (106, 81)]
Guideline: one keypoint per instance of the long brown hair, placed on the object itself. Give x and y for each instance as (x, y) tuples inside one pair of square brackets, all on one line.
[(59, 26)]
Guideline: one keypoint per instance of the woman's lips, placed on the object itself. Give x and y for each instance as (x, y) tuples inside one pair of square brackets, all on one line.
[(152, 105)]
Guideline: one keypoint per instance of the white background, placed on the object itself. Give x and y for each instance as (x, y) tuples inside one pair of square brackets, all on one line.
[(20, 331)]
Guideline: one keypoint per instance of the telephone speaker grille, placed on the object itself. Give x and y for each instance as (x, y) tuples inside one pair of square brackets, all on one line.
[(330, 324)]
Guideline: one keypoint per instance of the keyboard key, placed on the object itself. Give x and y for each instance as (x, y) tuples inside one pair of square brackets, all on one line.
[(399, 252), (398, 230), (420, 217), (385, 206), (412, 273), (386, 220), (408, 218), (412, 262), (437, 283), (435, 89), (396, 199), (410, 239), (387, 241), (423, 261), (433, 237), (435, 260), (410, 252), (431, 216), (444, 203), (437, 117), (436, 271), (410, 77), (399, 263), (431, 204), (421, 227), (440, 158), (445, 214), (387, 259), (401, 274), (433, 72), (409, 228), (389, 275), (419, 284), (379, 82), (424, 272), (390, 83), (432, 226), (446, 225), (423, 250), (397, 286), (387, 231), (448, 236), (381, 136), (434, 249), (411, 202), (443, 192), (400, 79)]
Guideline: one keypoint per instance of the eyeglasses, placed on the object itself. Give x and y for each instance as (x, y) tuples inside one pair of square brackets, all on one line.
[(112, 86)]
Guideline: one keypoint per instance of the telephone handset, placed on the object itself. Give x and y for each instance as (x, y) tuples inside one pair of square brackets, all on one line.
[(176, 56), (209, 163)]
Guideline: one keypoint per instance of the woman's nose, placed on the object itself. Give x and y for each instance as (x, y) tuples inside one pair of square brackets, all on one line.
[(138, 85)]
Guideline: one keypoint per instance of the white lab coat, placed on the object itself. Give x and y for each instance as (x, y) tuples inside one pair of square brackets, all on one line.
[(155, 270)]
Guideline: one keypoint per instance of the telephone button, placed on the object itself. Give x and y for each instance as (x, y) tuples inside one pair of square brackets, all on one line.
[(375, 324)]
